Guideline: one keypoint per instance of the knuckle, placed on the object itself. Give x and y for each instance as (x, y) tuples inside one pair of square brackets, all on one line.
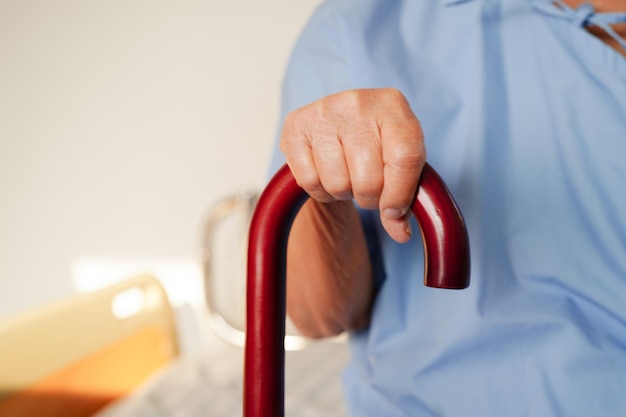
[(352, 98), (286, 143), (314, 188), (291, 120), (405, 154), (293, 135), (309, 182), (340, 190), (368, 189), (368, 204), (344, 105), (367, 194), (339, 187), (392, 94)]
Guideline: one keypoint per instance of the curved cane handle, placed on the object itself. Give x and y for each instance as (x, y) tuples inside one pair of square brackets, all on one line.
[(446, 260)]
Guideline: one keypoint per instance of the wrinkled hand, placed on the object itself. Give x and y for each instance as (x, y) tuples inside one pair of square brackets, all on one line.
[(361, 144)]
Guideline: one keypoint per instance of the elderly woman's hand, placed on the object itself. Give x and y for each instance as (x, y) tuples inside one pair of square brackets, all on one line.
[(362, 144)]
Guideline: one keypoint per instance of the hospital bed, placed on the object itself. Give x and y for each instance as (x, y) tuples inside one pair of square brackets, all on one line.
[(73, 357), (90, 355)]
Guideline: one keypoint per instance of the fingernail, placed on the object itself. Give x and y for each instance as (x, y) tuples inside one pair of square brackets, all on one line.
[(393, 213)]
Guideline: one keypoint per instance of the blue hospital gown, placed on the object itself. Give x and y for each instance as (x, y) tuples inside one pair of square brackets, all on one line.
[(524, 115)]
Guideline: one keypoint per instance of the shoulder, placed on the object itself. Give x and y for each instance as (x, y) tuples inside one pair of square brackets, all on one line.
[(356, 10), (372, 18)]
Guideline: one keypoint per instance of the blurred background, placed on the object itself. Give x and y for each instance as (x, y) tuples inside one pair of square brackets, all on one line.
[(122, 123)]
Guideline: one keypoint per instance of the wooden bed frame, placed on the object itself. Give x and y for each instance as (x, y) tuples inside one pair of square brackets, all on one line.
[(73, 357)]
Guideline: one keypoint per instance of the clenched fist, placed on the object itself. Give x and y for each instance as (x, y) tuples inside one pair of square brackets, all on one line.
[(362, 144)]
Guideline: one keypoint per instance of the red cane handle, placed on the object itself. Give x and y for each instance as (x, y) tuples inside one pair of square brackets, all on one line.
[(446, 260)]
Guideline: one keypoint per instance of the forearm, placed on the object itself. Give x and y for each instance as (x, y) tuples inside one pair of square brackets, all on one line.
[(364, 146), (329, 273)]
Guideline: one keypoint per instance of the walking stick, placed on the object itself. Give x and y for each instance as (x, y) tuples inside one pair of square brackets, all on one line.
[(446, 260)]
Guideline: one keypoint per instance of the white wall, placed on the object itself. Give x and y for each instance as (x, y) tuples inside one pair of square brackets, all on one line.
[(122, 122)]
